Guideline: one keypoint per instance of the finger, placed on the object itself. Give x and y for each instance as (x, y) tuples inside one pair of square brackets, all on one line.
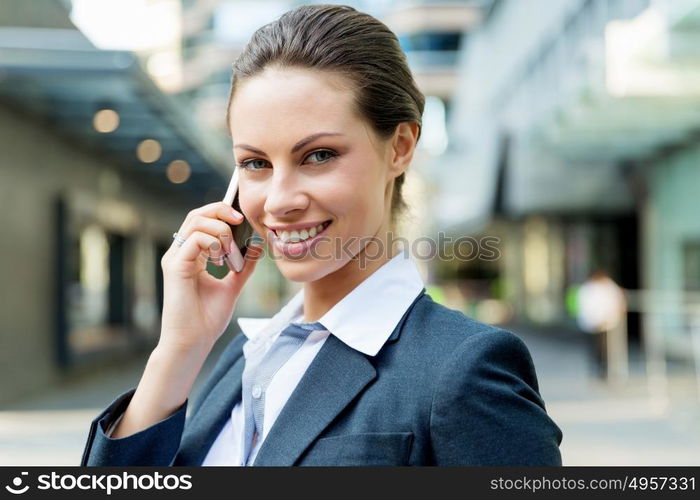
[(218, 210), (195, 245), (217, 207), (215, 227), (235, 258)]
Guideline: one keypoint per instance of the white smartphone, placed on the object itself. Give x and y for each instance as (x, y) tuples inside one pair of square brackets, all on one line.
[(242, 232)]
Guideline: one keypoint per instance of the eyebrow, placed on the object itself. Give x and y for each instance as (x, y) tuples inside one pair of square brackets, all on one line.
[(296, 147)]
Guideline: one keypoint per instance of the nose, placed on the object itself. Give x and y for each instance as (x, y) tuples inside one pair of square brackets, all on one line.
[(284, 195)]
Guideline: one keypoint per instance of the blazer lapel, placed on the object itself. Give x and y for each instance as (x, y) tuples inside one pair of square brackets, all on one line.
[(332, 381), (202, 430)]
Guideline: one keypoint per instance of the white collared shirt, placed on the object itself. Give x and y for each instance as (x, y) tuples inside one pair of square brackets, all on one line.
[(359, 320)]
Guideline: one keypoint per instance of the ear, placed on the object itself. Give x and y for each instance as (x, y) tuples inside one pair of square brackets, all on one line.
[(403, 144)]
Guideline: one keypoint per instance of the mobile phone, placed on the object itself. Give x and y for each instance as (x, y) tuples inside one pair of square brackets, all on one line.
[(243, 232)]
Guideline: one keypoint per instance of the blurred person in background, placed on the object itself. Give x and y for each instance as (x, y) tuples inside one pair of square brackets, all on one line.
[(601, 307), (361, 367)]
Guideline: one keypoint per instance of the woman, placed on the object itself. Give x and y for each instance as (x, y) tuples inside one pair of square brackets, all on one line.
[(361, 367)]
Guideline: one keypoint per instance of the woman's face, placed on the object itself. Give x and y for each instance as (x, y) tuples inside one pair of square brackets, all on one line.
[(314, 177)]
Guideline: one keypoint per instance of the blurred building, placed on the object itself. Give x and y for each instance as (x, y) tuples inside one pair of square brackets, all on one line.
[(99, 167), (433, 34), (214, 32), (574, 139), (213, 36)]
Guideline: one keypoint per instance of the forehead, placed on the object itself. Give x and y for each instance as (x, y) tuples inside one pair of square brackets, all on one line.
[(280, 101)]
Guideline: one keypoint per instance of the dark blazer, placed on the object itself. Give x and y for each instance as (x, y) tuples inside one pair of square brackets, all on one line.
[(443, 390)]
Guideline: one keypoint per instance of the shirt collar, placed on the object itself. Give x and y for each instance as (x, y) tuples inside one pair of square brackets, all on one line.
[(382, 298)]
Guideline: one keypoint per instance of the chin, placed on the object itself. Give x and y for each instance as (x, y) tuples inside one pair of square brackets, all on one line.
[(305, 271), (301, 272)]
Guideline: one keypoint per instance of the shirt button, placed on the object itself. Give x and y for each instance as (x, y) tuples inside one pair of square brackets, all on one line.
[(257, 391)]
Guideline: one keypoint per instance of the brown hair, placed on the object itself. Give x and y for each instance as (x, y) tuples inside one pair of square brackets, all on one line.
[(338, 38)]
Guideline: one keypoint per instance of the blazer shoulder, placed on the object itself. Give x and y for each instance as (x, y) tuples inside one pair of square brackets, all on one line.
[(486, 406), (487, 409)]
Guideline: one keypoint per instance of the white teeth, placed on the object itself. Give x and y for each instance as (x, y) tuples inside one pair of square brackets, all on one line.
[(296, 236)]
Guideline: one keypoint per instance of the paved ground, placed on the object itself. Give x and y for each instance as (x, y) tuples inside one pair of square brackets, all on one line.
[(615, 426), (601, 426)]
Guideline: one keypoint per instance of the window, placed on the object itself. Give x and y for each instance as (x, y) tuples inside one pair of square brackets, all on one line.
[(107, 297)]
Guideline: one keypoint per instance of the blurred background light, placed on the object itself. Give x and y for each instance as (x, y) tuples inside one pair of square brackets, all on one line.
[(434, 131), (151, 29), (178, 171), (106, 121), (127, 24), (149, 150)]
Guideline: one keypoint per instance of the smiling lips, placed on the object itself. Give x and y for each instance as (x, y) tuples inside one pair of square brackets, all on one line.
[(301, 234), (295, 242)]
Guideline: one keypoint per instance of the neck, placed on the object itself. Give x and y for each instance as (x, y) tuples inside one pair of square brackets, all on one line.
[(321, 295)]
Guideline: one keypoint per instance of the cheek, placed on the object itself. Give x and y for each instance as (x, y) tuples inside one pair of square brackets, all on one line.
[(356, 193), (252, 200)]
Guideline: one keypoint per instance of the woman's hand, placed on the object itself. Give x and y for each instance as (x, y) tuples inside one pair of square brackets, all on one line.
[(197, 306), (196, 309)]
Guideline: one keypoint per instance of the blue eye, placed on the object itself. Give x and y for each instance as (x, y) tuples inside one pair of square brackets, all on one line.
[(329, 154), (251, 164)]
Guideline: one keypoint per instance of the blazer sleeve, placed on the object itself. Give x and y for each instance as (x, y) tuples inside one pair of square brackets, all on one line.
[(487, 409), (156, 445)]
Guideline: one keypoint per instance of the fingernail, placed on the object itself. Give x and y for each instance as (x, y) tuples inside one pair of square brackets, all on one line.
[(236, 213), (215, 247)]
